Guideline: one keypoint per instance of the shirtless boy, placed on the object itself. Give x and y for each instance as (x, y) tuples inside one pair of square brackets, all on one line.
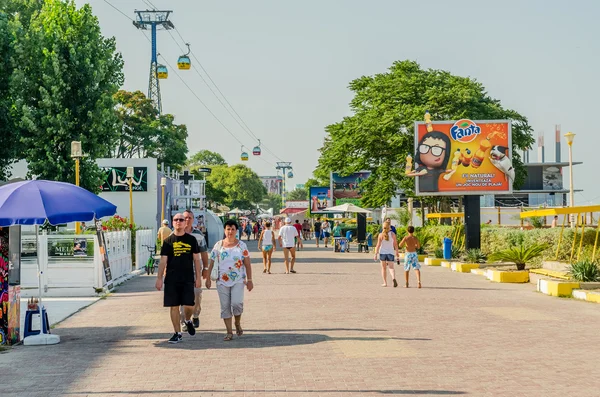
[(411, 258)]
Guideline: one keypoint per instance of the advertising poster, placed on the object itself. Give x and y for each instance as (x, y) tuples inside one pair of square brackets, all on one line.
[(4, 286), (272, 184), (14, 314), (455, 158), (80, 247), (319, 199), (103, 254), (346, 189)]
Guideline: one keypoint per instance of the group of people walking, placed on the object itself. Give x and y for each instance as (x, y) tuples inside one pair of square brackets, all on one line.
[(185, 263)]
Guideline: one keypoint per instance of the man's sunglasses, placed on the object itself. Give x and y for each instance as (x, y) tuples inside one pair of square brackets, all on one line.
[(178, 220), (435, 150)]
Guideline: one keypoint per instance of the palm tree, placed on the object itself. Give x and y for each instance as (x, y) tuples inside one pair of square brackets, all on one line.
[(519, 255)]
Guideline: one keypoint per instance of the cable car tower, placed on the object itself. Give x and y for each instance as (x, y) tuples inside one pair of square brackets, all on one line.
[(154, 19)]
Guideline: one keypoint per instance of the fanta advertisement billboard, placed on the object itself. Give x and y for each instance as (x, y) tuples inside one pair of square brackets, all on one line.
[(455, 158)]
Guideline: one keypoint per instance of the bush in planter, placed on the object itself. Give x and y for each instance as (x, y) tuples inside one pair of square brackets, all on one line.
[(439, 253), (520, 255), (455, 252), (475, 255), (585, 270)]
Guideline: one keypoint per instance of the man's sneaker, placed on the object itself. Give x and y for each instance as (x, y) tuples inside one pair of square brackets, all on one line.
[(196, 322), (190, 328), (176, 338), (183, 327)]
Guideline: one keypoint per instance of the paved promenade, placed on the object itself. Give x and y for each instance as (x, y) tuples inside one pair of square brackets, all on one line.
[(329, 330)]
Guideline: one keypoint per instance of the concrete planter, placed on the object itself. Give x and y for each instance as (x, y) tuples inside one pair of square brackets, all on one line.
[(557, 287), (588, 296), (479, 272), (433, 261), (446, 264), (463, 267), (502, 276)]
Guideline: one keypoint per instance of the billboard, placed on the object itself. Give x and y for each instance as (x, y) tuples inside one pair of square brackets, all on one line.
[(462, 157), (319, 199), (115, 179), (346, 189), (272, 184)]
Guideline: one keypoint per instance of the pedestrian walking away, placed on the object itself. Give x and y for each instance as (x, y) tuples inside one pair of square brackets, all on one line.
[(164, 231), (287, 235), (266, 243), (298, 239), (306, 230), (317, 227), (326, 231), (234, 271), (411, 259), (386, 247), (180, 257), (190, 229)]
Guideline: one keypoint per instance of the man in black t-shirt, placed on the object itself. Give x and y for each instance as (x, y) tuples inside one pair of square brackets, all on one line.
[(179, 255), (317, 227)]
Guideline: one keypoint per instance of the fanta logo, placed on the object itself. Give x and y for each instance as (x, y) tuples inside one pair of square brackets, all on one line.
[(464, 130)]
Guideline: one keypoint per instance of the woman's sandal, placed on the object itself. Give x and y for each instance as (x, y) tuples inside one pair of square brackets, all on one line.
[(238, 330), (228, 337)]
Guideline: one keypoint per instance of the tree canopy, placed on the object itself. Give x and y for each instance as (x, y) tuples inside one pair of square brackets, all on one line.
[(379, 134), (204, 158), (298, 194), (143, 132), (242, 186), (62, 88)]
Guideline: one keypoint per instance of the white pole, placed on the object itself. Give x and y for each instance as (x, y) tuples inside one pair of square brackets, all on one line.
[(40, 275), (571, 190)]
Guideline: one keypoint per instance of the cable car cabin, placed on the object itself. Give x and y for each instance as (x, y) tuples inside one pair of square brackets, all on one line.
[(244, 156), (184, 63), (290, 174), (162, 72), (256, 151)]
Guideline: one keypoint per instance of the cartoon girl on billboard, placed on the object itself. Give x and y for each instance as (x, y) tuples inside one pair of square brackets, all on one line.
[(431, 160)]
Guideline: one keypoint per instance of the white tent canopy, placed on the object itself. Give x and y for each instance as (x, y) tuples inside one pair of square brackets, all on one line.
[(348, 207), (236, 211)]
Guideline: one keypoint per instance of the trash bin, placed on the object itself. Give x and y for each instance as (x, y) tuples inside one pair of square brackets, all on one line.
[(447, 248)]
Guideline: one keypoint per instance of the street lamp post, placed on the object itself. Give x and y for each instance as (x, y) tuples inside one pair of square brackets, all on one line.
[(130, 179), (76, 154), (163, 183), (569, 137)]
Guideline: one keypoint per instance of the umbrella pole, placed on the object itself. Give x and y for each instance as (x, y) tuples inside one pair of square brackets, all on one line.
[(37, 242)]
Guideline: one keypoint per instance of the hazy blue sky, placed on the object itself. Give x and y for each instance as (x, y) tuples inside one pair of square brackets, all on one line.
[(285, 66)]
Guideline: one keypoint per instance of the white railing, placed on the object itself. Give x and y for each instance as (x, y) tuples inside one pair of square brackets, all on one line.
[(143, 238), (65, 273)]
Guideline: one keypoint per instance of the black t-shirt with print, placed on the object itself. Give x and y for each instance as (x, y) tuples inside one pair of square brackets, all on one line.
[(180, 251), (317, 226), (429, 181)]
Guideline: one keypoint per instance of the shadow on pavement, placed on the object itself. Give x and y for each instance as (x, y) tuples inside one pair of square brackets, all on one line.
[(320, 391), (214, 340)]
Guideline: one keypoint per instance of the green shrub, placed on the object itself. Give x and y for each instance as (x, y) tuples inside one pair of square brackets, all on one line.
[(475, 255), (439, 253), (455, 252), (585, 270), (519, 255)]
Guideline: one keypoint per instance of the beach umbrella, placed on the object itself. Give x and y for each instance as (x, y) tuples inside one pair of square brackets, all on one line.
[(37, 202), (348, 207)]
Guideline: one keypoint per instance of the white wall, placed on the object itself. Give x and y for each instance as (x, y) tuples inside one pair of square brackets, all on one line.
[(144, 203)]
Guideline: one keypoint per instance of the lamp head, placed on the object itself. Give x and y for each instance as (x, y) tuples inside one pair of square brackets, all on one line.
[(129, 172), (569, 136), (163, 181), (76, 151)]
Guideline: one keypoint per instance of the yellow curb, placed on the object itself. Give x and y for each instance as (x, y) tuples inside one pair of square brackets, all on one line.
[(551, 273), (464, 267), (433, 261), (556, 288), (501, 276), (422, 257), (479, 272), (592, 297), (446, 264)]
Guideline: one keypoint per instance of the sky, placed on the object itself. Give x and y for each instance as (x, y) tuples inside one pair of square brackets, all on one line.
[(285, 67)]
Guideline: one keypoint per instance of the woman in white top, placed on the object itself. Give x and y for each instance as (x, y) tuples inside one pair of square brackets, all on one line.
[(266, 243), (235, 271), (326, 231), (386, 247)]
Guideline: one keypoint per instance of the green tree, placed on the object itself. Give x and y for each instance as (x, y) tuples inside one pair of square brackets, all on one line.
[(204, 158), (9, 137), (298, 194), (272, 200), (67, 74), (142, 132), (379, 135), (241, 185)]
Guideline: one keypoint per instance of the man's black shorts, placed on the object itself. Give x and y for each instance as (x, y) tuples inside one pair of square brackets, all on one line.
[(177, 294)]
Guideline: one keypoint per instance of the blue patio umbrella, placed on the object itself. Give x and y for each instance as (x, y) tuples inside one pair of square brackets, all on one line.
[(35, 202)]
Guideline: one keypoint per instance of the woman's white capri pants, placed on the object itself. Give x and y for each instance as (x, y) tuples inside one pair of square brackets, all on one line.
[(232, 300)]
